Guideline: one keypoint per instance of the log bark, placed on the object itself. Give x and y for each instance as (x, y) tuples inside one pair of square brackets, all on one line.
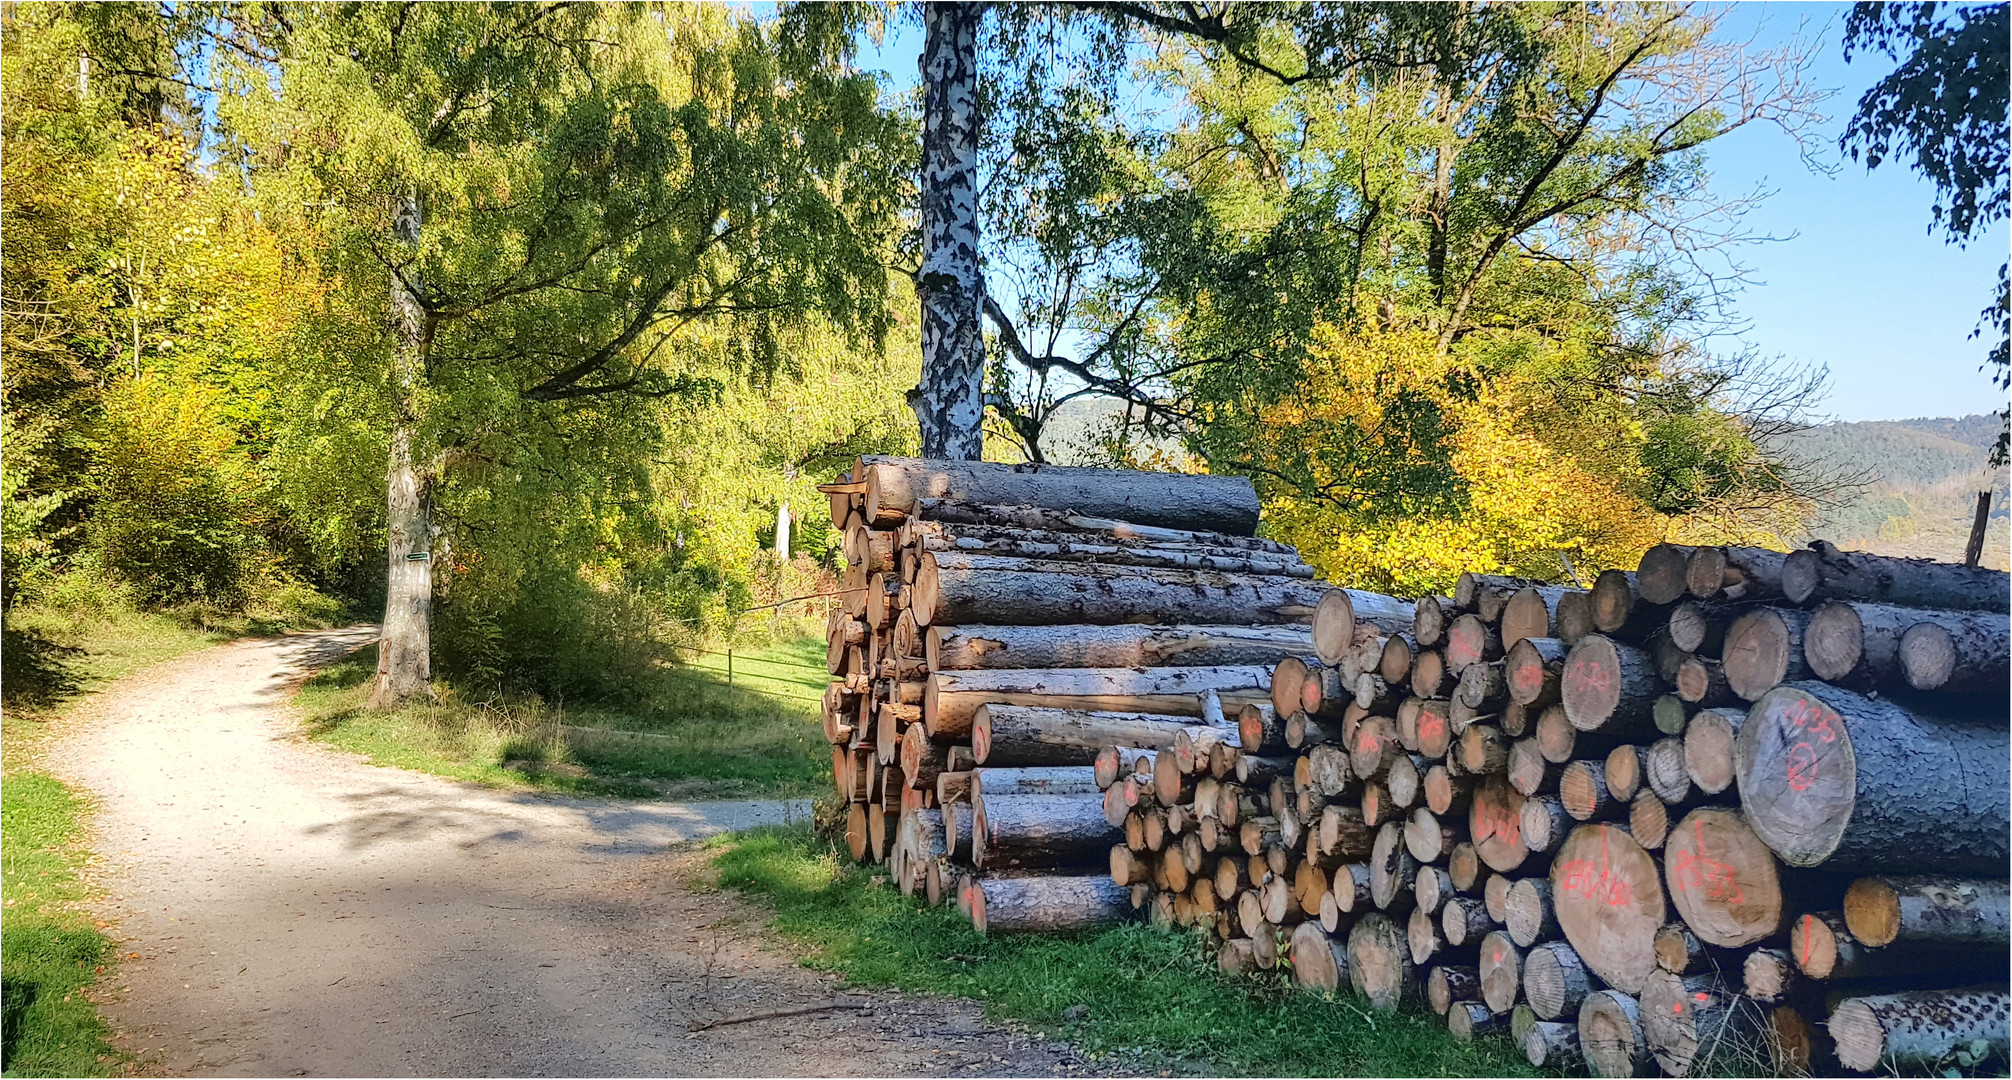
[(1822, 572), (1501, 970), (965, 648), (1610, 687), (1470, 1020), (1391, 869), (1531, 613), (1047, 904), (1708, 748), (1553, 1046), (1611, 1036), (1662, 574), (1619, 611), (1319, 959), (1223, 504), (958, 589), (1734, 573), (1575, 616), (1528, 914), (1763, 649), (1083, 547), (1930, 912), (1430, 617), (1423, 938), (1723, 880), (1495, 822), (1829, 777), (1967, 655), (1918, 1030), (1379, 963), (1609, 901), (1696, 1025), (1583, 790), (1449, 983), (1066, 780), (1555, 980), (1031, 831), (951, 700)]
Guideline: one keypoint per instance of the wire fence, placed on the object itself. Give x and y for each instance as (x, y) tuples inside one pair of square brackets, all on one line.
[(731, 656)]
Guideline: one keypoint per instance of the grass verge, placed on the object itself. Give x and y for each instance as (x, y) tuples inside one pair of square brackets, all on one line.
[(1151, 995), (696, 736)]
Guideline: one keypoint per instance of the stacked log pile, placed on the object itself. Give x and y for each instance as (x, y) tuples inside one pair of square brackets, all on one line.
[(1002, 627), (1734, 805)]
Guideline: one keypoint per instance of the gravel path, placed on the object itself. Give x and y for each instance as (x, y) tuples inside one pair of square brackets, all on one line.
[(286, 909)]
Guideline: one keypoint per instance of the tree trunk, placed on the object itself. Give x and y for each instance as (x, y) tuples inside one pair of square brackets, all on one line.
[(1661, 575), (948, 403), (1611, 1036), (1449, 983), (1708, 748), (1829, 777), (951, 700), (1184, 502), (1970, 655), (1379, 963), (1734, 573), (1696, 1024), (1025, 831), (964, 648), (1822, 572), (1531, 613), (1064, 780), (1610, 687), (1050, 905), (1527, 913), (1555, 980), (1553, 1046), (1929, 912), (960, 589), (1723, 880), (404, 647), (1609, 899), (1501, 970), (1914, 1031)]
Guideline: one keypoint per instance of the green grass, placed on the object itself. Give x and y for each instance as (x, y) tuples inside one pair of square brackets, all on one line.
[(1154, 999), (694, 737)]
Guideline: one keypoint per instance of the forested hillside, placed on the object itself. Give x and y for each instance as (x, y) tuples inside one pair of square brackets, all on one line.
[(1920, 484)]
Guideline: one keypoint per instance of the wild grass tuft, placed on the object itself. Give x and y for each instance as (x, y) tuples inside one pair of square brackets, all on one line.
[(1153, 998)]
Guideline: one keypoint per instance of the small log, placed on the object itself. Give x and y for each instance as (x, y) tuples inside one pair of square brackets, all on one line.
[(1394, 662), (1610, 687), (1534, 668), (1261, 729), (1829, 777), (1575, 616), (1665, 771), (957, 821), (1611, 1036), (1553, 1046), (1556, 738), (1430, 838), (1798, 1047), (1918, 1030), (1763, 649), (1463, 867), (1374, 748), (1929, 912), (1970, 656), (1822, 947), (1702, 683), (1075, 645), (1431, 615), (1391, 869), (1583, 790), (1435, 731), (1255, 772), (1663, 574), (1017, 542), (1532, 612), (1422, 936), (1449, 983), (951, 702), (1699, 628), (1665, 655), (1495, 896), (1555, 980), (1023, 831), (1671, 713), (1319, 959), (1430, 675), (1302, 731), (922, 761), (1379, 963), (1470, 1020), (1770, 977), (1528, 772), (1446, 793), (1495, 821), (1351, 889), (1696, 1024), (1708, 748), (1047, 904), (1288, 673), (1650, 819), (1501, 970), (1483, 750), (1624, 769), (1195, 745), (1609, 901), (1471, 641), (1620, 611), (1344, 614), (1734, 573), (1464, 921), (1528, 915), (1822, 572), (1678, 950), (1115, 763), (1431, 888), (1405, 780)]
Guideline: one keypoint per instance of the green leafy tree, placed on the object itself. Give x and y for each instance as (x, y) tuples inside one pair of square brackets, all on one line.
[(1946, 105)]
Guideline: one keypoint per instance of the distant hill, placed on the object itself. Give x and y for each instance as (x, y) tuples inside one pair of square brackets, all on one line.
[(1924, 476)]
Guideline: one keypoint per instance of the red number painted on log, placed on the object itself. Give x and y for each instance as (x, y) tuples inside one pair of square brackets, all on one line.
[(1801, 766), (1810, 716), (1691, 871), (1584, 877), (1590, 676), (1529, 678), (1430, 726), (1491, 819)]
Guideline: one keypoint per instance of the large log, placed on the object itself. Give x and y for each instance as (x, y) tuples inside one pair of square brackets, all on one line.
[(1697, 1025), (1967, 655), (1609, 901), (964, 648), (1822, 572), (1067, 521), (1066, 780), (1082, 547), (1723, 880), (1028, 831), (1379, 963), (950, 700), (1829, 777), (1319, 959), (1555, 980), (1610, 687), (1734, 573), (1225, 504), (1763, 649), (1930, 912), (1047, 904), (1611, 1036), (1343, 616), (1918, 1030), (957, 589)]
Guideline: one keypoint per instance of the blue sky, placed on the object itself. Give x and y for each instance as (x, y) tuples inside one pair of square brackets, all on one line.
[(1853, 279)]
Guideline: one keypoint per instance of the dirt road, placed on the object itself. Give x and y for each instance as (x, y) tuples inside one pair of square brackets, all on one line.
[(286, 909)]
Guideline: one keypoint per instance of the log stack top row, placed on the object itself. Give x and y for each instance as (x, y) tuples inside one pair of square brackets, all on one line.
[(1732, 801)]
